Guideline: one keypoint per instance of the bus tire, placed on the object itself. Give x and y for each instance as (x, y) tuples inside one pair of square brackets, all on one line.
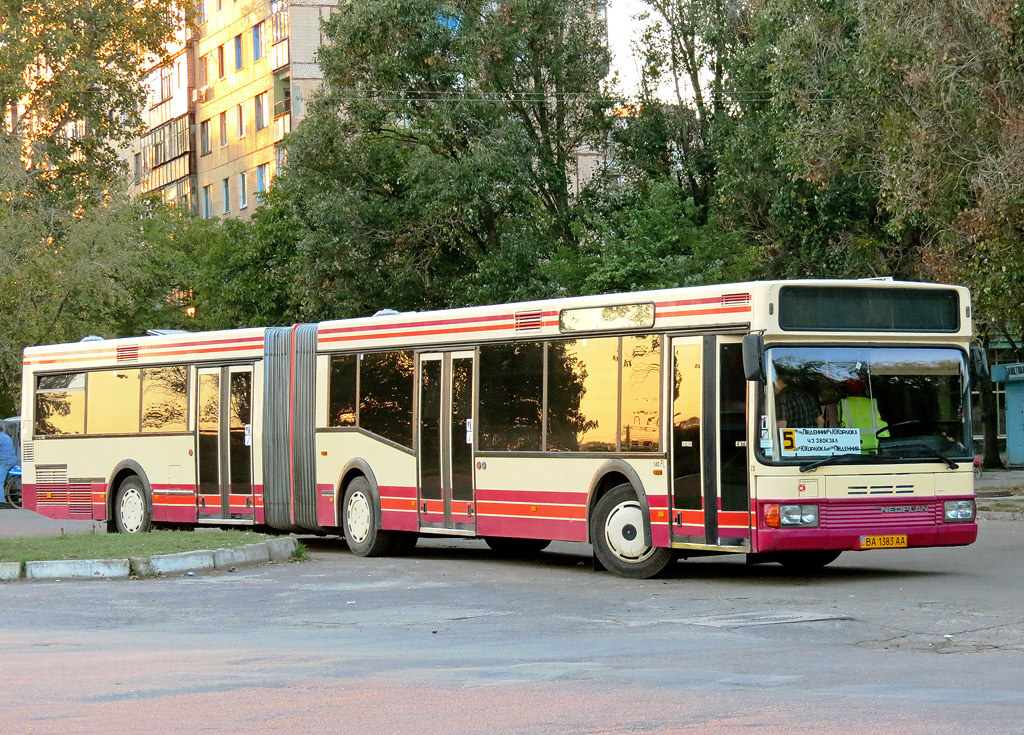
[(808, 561), (516, 547), (131, 508), (617, 534), (359, 521)]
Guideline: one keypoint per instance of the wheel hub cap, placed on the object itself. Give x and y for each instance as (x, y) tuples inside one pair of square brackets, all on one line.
[(622, 532), (133, 510), (357, 516)]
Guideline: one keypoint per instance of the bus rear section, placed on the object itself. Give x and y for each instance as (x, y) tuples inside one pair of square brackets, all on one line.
[(156, 429)]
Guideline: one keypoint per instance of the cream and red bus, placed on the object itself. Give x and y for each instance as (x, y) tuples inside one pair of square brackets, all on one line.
[(788, 421)]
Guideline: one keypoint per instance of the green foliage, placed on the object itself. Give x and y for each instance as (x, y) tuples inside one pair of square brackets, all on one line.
[(649, 236), (68, 274), (435, 166), (67, 64)]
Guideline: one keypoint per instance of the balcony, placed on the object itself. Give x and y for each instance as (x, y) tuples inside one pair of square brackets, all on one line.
[(282, 125)]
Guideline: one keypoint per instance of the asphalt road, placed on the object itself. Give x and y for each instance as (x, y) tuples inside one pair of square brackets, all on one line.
[(452, 640)]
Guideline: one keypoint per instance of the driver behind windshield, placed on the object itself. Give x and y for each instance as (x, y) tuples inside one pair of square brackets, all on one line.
[(859, 410)]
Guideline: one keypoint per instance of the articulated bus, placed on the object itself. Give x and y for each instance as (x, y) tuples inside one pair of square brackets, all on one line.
[(788, 421)]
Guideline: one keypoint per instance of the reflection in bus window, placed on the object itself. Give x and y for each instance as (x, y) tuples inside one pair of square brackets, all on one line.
[(112, 402), (641, 393), (583, 383), (208, 421), (385, 401), (341, 410), (511, 394), (164, 399), (687, 437), (60, 404), (897, 402), (239, 418)]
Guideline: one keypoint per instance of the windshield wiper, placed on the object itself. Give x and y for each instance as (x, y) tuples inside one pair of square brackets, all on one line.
[(935, 453), (835, 459), (850, 456)]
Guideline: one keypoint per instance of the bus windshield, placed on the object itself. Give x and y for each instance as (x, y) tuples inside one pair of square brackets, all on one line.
[(865, 404)]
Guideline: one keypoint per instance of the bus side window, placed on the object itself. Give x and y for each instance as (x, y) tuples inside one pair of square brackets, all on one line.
[(60, 404)]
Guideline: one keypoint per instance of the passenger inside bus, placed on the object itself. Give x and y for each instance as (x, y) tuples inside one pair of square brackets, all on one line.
[(859, 410), (794, 408)]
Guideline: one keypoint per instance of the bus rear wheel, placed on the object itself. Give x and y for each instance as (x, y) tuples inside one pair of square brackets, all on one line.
[(359, 521), (617, 534), (131, 508)]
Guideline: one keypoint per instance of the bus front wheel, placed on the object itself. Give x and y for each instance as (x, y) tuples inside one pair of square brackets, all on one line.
[(617, 533), (360, 521), (131, 509)]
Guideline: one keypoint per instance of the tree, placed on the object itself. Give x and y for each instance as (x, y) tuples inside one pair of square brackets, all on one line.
[(435, 166), (69, 274), (675, 127), (71, 78)]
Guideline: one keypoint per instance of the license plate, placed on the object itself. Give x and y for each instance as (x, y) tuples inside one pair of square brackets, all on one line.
[(883, 542)]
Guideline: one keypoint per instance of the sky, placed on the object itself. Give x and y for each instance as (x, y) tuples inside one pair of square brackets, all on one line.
[(622, 29)]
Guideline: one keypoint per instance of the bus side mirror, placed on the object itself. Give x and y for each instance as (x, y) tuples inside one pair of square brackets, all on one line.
[(979, 363), (753, 357)]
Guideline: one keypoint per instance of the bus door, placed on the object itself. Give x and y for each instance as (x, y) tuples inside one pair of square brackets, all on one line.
[(224, 444), (710, 495), (447, 498)]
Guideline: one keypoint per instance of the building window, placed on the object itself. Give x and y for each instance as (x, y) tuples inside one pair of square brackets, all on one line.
[(278, 20), (261, 111), (257, 41), (261, 179), (201, 78), (166, 82), (223, 129), (220, 62), (204, 137), (138, 166), (225, 190), (238, 52), (201, 12), (240, 112), (207, 207), (243, 195)]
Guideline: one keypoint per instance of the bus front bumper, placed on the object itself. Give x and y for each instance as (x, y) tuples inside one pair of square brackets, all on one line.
[(849, 526)]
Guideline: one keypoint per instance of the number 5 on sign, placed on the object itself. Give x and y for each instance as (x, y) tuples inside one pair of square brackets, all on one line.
[(788, 440)]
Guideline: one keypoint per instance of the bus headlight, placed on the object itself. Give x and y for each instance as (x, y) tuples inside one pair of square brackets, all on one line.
[(959, 511), (791, 516)]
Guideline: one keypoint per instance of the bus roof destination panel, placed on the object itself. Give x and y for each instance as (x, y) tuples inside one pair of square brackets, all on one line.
[(805, 308)]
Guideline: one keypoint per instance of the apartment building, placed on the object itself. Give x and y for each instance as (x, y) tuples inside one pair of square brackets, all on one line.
[(219, 109)]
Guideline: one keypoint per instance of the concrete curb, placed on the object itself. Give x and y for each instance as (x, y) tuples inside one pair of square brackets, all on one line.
[(250, 555)]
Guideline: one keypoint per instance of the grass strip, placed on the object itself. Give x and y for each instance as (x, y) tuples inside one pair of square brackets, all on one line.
[(121, 546)]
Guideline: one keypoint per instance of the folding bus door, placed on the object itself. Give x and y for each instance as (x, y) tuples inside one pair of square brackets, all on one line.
[(710, 496), (224, 444), (445, 442)]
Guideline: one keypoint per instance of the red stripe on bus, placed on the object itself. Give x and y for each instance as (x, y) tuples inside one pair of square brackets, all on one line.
[(691, 302), (705, 312), (432, 323), (226, 345)]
